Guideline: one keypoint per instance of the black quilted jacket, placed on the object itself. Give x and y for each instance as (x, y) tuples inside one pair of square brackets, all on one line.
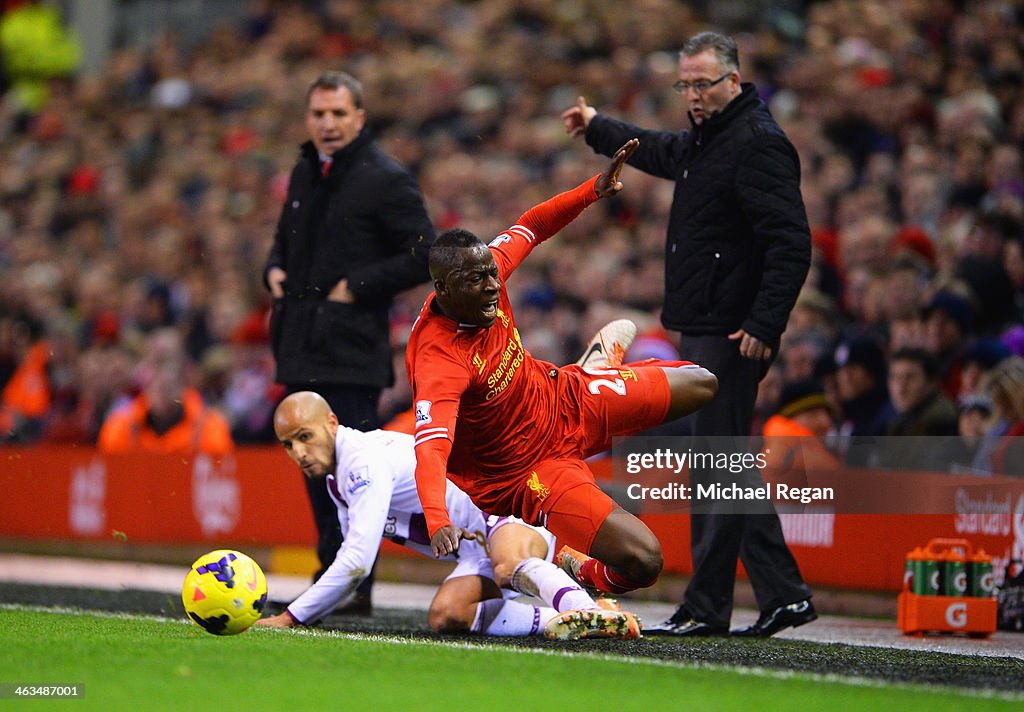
[(738, 246)]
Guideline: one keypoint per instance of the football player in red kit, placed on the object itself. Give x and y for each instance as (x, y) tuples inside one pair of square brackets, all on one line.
[(512, 431)]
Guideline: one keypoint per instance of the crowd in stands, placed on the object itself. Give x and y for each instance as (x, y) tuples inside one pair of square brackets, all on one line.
[(145, 198)]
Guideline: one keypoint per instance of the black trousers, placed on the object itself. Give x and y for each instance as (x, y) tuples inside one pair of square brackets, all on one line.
[(722, 531), (356, 407)]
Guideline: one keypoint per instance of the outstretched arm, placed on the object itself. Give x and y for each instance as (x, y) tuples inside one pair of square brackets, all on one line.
[(552, 215), (545, 220), (608, 183), (369, 488), (660, 152)]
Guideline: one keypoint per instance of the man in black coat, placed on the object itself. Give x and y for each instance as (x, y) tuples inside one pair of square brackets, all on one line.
[(737, 253), (353, 233)]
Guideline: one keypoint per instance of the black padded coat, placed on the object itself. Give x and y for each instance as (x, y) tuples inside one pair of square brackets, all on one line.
[(738, 246), (365, 221)]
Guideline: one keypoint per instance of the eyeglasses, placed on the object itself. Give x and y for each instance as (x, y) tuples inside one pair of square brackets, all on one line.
[(700, 86)]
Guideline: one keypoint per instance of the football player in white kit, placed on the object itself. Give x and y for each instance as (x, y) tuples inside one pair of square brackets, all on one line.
[(370, 477)]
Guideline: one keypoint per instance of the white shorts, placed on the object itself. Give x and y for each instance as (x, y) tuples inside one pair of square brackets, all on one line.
[(473, 557)]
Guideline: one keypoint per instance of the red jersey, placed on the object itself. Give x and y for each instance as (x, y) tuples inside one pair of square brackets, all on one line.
[(476, 389)]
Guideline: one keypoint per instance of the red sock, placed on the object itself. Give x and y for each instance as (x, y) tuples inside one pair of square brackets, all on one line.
[(595, 574)]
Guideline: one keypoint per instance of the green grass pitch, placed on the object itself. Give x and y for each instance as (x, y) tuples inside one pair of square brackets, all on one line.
[(139, 662)]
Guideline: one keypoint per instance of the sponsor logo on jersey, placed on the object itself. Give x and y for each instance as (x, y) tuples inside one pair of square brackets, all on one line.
[(423, 412), (357, 480), (511, 359)]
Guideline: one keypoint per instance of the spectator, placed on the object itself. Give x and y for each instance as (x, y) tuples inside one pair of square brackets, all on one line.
[(768, 393), (1002, 451), (974, 414), (168, 416), (799, 354), (794, 435), (921, 410), (980, 357), (920, 407), (861, 386), (27, 393), (36, 48), (947, 324)]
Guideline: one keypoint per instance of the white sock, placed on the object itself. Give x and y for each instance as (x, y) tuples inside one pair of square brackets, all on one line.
[(536, 577), (496, 616)]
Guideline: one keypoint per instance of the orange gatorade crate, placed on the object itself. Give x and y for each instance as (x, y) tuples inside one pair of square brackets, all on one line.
[(947, 588)]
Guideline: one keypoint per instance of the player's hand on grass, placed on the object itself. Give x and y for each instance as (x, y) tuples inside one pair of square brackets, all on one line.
[(608, 182), (281, 620)]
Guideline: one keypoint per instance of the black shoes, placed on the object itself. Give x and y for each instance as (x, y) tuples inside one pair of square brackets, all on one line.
[(771, 622), (682, 624)]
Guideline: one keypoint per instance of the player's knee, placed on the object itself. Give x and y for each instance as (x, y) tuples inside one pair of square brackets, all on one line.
[(705, 385), (692, 389), (503, 573), (642, 561), (447, 617), (647, 562)]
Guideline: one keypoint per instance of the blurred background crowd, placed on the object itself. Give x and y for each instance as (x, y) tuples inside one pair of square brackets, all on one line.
[(138, 200)]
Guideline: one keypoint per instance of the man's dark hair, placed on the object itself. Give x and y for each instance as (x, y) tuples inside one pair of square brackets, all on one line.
[(445, 253), (725, 48), (333, 79), (926, 360)]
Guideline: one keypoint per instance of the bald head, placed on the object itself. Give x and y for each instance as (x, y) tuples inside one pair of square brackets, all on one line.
[(302, 408), (306, 427)]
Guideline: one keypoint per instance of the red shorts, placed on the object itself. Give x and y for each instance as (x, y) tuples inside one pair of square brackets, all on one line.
[(595, 405), (614, 402), (575, 510)]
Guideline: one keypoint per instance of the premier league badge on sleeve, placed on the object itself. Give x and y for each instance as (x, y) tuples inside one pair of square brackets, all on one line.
[(423, 412), (357, 480)]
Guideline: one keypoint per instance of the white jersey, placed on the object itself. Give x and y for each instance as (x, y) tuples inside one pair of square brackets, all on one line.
[(374, 489)]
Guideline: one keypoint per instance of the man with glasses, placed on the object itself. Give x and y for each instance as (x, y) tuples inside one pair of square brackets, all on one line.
[(738, 250)]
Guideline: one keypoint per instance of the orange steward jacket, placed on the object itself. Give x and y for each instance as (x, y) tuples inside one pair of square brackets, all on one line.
[(202, 430)]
